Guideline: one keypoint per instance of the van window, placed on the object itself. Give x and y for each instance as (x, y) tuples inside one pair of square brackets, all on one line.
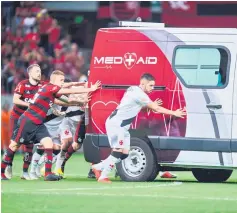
[(201, 66)]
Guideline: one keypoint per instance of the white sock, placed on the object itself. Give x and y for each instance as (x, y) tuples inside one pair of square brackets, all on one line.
[(99, 166), (41, 160), (108, 165), (60, 159), (34, 162), (54, 158)]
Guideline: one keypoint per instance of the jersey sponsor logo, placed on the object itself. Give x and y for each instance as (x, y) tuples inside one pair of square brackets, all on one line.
[(129, 60), (27, 92)]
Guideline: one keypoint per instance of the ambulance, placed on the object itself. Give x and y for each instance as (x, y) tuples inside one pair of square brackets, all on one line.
[(196, 69)]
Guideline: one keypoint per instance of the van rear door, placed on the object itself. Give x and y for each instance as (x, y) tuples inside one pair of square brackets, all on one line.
[(205, 67), (234, 126)]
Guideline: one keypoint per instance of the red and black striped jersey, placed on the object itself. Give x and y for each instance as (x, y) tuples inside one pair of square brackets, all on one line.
[(27, 92), (41, 103)]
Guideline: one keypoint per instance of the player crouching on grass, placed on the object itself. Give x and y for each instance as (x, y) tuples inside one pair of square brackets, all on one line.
[(118, 123), (30, 126)]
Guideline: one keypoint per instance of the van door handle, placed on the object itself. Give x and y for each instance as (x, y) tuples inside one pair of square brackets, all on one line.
[(214, 106)]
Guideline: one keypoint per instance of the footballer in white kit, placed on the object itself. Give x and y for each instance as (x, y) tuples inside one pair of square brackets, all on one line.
[(119, 122), (73, 130)]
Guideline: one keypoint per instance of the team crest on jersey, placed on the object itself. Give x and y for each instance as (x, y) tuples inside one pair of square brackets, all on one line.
[(22, 140), (66, 132)]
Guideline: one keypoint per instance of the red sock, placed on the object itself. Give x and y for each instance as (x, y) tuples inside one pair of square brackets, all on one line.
[(27, 157), (48, 161), (7, 160), (69, 153)]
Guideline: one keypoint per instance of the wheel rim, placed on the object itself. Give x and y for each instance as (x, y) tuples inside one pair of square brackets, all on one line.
[(135, 164)]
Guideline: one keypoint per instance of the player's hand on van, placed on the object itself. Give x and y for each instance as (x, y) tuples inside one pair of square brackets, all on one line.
[(180, 113), (159, 102), (95, 86)]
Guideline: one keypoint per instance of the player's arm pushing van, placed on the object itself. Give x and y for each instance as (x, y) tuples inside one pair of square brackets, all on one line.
[(194, 68)]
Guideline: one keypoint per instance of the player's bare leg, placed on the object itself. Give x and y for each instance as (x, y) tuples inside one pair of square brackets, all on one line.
[(77, 143), (72, 148), (8, 158), (48, 149), (65, 143)]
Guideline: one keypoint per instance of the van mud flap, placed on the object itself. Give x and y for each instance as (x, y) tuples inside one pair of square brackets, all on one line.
[(91, 148)]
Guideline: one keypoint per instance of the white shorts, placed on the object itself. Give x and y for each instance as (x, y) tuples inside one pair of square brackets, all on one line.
[(68, 128), (119, 137)]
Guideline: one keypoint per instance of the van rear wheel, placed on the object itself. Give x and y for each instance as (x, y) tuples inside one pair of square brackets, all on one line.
[(211, 175), (140, 165)]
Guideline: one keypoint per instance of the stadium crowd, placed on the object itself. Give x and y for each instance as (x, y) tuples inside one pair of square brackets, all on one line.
[(30, 35)]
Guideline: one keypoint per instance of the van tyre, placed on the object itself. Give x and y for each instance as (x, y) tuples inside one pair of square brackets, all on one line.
[(211, 175), (154, 174), (141, 163)]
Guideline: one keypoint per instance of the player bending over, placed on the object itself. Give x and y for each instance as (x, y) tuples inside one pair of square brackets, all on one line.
[(118, 123), (73, 130), (30, 126)]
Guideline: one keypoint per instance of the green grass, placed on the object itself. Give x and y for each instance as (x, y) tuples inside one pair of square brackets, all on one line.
[(78, 194)]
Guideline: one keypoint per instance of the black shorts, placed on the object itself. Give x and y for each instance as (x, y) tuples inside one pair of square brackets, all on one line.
[(13, 124), (28, 132)]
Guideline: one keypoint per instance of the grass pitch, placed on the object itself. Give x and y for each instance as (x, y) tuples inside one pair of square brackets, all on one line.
[(77, 194)]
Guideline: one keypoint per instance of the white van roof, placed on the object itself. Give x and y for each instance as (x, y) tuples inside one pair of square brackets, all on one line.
[(176, 30)]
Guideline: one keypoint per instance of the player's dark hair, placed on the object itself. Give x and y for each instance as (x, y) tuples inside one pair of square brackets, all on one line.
[(148, 77), (31, 66), (67, 80)]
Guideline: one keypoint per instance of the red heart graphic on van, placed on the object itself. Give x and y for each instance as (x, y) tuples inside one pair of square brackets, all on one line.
[(129, 60), (100, 111)]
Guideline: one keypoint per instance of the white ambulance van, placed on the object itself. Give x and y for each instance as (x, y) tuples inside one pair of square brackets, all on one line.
[(194, 68)]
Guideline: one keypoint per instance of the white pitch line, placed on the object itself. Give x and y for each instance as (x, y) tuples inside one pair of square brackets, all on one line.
[(130, 195), (152, 185)]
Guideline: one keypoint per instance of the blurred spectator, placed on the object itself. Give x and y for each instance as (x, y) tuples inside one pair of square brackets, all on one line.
[(18, 38), (29, 23), (33, 39), (83, 77), (5, 127), (74, 61), (22, 45), (45, 23), (7, 7), (54, 35)]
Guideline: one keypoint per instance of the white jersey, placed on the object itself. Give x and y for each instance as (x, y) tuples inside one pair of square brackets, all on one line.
[(74, 113), (131, 104)]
